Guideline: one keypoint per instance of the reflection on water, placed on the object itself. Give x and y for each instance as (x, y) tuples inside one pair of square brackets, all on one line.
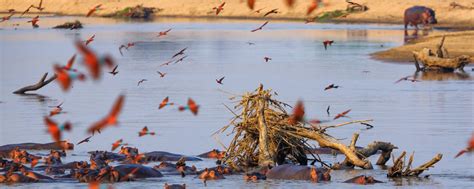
[(439, 76), (427, 117)]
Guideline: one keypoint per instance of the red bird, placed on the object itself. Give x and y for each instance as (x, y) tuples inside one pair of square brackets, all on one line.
[(260, 28), (332, 86), (90, 39), (343, 114), (145, 131), (40, 6), (219, 9), (192, 106), (251, 4), (327, 43), (111, 118), (161, 74), (91, 60), (164, 103), (469, 148), (34, 21), (219, 81), (314, 5), (65, 77), (290, 3), (267, 59), (55, 111), (117, 144), (163, 33), (5, 18), (298, 113), (70, 62), (91, 11), (55, 130)]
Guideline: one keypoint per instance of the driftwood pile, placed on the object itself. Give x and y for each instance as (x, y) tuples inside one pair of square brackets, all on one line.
[(440, 60), (69, 25), (138, 11), (399, 169), (263, 136)]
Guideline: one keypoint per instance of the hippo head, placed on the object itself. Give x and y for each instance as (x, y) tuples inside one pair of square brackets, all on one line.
[(3, 178), (128, 151), (314, 174), (429, 17)]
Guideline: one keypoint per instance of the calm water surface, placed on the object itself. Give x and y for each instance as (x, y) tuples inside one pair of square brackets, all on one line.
[(428, 117)]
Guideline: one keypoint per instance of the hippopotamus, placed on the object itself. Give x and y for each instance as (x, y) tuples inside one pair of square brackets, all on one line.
[(254, 176), (173, 169), (175, 186), (363, 180), (39, 146), (223, 170), (419, 15), (35, 175), (53, 170), (85, 175), (107, 155), (166, 156), (213, 154), (21, 156), (128, 151), (298, 172), (208, 174), (142, 172), (19, 178)]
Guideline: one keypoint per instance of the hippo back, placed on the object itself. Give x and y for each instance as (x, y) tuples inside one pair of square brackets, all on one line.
[(414, 15), (143, 171), (290, 172)]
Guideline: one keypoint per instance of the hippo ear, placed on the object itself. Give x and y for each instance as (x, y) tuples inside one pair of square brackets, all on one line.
[(254, 177)]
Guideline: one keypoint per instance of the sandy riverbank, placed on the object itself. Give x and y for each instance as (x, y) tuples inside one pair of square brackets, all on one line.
[(380, 11), (457, 43)]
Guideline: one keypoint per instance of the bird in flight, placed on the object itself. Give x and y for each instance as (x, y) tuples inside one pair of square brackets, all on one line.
[(267, 59), (91, 38), (192, 106), (332, 86), (141, 81), (407, 78), (260, 28), (180, 60), (181, 52), (313, 6), (219, 8), (34, 21), (55, 130), (163, 33), (251, 4), (40, 6), (117, 144), (92, 62), (66, 77), (92, 10), (469, 148), (343, 114), (219, 81), (114, 71), (5, 18), (85, 140), (111, 118), (259, 10), (164, 103), (273, 11), (126, 47), (161, 74), (145, 131), (327, 43), (298, 113)]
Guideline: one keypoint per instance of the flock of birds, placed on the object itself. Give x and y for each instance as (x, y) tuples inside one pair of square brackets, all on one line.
[(95, 64)]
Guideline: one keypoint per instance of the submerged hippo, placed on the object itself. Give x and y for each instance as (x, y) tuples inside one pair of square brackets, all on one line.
[(213, 154), (298, 172), (419, 15), (254, 176), (363, 180), (141, 172), (39, 146), (208, 174), (19, 178), (173, 169), (175, 186), (166, 156)]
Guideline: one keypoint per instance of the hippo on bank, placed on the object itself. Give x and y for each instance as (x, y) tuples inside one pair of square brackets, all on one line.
[(298, 172), (419, 15)]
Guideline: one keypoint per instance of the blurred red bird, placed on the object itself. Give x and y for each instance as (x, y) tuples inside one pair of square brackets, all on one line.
[(251, 4), (91, 38), (34, 21), (5, 18), (313, 6), (91, 11), (93, 62), (219, 9), (327, 43), (469, 148), (70, 63), (117, 144), (145, 131), (161, 74), (260, 28), (164, 103), (290, 3), (163, 33), (65, 77), (343, 114), (298, 113), (192, 106), (111, 118), (55, 130)]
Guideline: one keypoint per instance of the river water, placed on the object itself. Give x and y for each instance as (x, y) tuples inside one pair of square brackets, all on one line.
[(428, 117)]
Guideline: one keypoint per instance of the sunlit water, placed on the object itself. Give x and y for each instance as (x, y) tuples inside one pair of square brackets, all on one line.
[(428, 117)]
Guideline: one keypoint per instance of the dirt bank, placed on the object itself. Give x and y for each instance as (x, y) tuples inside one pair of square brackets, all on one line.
[(457, 43), (380, 11)]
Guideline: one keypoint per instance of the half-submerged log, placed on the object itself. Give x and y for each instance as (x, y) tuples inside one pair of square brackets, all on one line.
[(40, 84), (69, 25), (399, 169)]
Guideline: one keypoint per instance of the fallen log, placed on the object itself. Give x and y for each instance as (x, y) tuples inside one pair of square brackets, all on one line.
[(432, 62), (400, 170), (40, 84)]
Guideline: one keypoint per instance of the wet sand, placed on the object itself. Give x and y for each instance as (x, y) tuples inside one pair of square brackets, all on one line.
[(381, 11), (457, 43)]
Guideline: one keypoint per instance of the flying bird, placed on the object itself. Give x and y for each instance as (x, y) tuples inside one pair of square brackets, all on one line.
[(40, 6), (95, 8), (5, 18), (343, 114), (126, 47), (260, 28), (163, 33), (92, 62), (251, 4), (114, 71), (117, 144), (181, 52), (27, 10), (55, 111), (55, 130), (166, 63), (141, 81), (332, 86), (313, 6), (34, 21), (290, 3), (368, 126), (327, 111), (258, 11), (70, 63), (164, 103), (145, 131), (267, 59), (85, 140), (65, 77), (161, 74), (180, 60), (250, 43), (192, 106), (327, 43), (219, 9), (111, 118), (91, 38), (298, 113), (469, 148), (219, 81), (273, 11), (407, 78)]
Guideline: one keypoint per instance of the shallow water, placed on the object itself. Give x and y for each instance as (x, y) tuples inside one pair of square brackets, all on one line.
[(428, 117)]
